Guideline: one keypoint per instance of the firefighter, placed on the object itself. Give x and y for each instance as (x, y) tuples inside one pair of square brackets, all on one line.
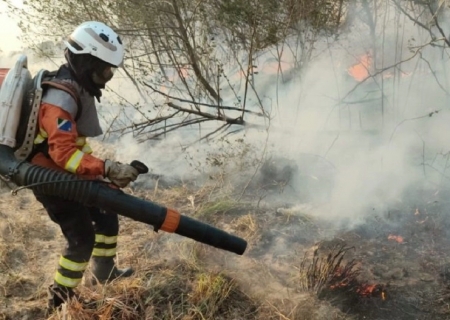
[(66, 118)]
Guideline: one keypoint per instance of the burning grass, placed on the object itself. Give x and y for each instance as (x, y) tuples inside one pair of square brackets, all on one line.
[(331, 276)]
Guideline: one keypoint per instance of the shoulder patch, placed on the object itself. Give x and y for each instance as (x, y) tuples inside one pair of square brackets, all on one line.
[(64, 125)]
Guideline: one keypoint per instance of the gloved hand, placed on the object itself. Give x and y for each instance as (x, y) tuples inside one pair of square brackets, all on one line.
[(120, 174)]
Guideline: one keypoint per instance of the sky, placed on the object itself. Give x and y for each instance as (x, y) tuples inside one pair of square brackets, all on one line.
[(9, 31)]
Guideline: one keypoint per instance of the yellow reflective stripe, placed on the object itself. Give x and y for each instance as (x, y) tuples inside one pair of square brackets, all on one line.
[(39, 139), (87, 149), (72, 265), (43, 133), (66, 282), (74, 161), (81, 141), (104, 239), (99, 252), (41, 136)]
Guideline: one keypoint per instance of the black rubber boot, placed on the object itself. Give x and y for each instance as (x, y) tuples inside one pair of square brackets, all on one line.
[(104, 269), (57, 295)]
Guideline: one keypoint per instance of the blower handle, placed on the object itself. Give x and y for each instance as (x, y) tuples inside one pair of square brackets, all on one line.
[(139, 166)]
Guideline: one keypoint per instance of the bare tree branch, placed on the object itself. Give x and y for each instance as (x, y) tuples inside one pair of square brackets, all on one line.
[(399, 6), (191, 53), (203, 104), (371, 76), (157, 135), (209, 116), (436, 22)]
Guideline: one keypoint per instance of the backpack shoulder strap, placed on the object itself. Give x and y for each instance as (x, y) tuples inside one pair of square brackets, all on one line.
[(64, 86)]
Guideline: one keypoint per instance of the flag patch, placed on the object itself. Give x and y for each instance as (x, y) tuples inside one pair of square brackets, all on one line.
[(64, 125)]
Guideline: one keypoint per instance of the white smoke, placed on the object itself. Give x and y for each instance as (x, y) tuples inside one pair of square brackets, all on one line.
[(355, 152)]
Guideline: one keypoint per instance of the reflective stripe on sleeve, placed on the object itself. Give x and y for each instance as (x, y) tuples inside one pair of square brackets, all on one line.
[(74, 161), (87, 149), (41, 136), (81, 141)]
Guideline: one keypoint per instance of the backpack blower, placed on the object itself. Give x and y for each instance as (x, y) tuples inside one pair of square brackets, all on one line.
[(20, 97)]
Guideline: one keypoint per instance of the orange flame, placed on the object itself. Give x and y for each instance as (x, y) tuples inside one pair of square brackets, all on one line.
[(366, 290), (360, 71)]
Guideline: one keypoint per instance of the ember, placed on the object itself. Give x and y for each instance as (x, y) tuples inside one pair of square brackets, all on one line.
[(371, 290), (399, 239), (350, 283)]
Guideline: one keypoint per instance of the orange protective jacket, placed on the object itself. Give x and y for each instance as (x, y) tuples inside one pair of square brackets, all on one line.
[(67, 150)]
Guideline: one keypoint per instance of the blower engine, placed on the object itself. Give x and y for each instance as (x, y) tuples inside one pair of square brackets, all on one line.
[(20, 96)]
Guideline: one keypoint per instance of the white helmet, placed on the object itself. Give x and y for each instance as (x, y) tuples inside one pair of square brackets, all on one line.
[(98, 40)]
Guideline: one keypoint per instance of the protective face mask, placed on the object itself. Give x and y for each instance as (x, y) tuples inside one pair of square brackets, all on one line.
[(105, 76)]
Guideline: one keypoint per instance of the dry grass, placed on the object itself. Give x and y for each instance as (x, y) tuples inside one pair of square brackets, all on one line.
[(219, 206), (175, 278), (248, 227), (323, 271), (185, 198), (185, 291), (164, 291)]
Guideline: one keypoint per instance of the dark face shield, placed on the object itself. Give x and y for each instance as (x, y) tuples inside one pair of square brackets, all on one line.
[(91, 72)]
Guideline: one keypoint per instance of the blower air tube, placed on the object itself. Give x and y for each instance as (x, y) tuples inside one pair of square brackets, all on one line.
[(98, 194)]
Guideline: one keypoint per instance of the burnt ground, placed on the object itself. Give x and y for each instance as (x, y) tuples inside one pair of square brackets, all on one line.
[(415, 267), (407, 251), (403, 252)]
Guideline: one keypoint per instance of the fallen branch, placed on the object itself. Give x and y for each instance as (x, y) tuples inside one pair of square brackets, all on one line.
[(259, 114), (209, 116), (156, 135), (142, 125), (183, 123)]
